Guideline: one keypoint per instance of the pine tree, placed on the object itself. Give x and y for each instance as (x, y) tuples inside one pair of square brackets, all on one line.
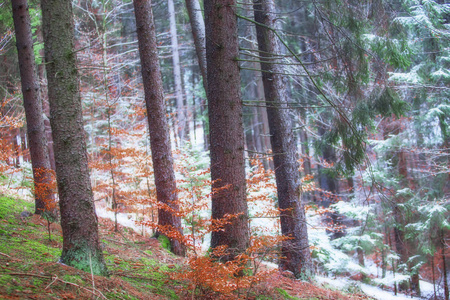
[(295, 251), (40, 160), (81, 247), (157, 123), (226, 128)]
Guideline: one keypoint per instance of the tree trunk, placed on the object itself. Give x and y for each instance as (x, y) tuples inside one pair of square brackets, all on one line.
[(444, 265), (198, 32), (81, 247), (181, 116), (327, 182), (295, 252), (157, 122), (226, 128), (265, 129), (44, 98), (44, 200)]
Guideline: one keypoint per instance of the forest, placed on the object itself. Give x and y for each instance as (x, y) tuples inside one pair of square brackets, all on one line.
[(299, 142)]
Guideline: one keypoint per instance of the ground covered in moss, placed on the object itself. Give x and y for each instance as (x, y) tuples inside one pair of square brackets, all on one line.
[(140, 268)]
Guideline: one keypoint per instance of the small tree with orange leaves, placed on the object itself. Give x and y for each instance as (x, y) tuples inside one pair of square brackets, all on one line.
[(208, 273), (46, 190)]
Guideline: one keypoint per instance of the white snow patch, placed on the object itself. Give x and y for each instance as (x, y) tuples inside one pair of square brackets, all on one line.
[(127, 220), (373, 291)]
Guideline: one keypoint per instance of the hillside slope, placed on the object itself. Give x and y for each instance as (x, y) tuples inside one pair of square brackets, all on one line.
[(140, 268)]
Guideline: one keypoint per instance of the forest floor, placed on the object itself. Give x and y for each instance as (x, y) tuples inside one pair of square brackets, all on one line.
[(140, 267)]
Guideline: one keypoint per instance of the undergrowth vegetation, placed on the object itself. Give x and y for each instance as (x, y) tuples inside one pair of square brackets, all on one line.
[(140, 267)]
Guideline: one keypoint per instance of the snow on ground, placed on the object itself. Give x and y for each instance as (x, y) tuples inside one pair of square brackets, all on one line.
[(319, 237), (127, 220), (343, 284)]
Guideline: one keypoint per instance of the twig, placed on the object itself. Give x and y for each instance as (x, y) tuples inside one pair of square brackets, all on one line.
[(92, 273), (81, 287), (5, 255), (55, 278), (28, 274), (111, 240)]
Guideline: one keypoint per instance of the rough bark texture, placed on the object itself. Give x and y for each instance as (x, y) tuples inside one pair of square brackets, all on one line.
[(226, 128), (198, 32), (157, 121), (295, 252), (81, 247), (33, 108)]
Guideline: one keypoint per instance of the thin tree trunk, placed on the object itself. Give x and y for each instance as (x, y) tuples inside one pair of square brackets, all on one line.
[(433, 274), (44, 99), (44, 200), (383, 253), (444, 264), (157, 122), (205, 124), (295, 251), (198, 32), (257, 133), (81, 247), (226, 128), (181, 115), (264, 131), (265, 126)]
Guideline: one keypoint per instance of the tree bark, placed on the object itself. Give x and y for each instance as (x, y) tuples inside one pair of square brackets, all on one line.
[(81, 247), (444, 265), (43, 194), (198, 32), (157, 121), (295, 252), (226, 128), (44, 98)]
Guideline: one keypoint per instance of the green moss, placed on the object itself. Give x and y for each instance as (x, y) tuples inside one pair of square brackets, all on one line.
[(73, 279), (84, 258), (165, 242), (120, 295), (5, 279), (38, 282), (285, 294), (10, 206), (29, 249)]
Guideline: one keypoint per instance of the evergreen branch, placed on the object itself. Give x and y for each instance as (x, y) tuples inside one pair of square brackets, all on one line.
[(308, 74), (279, 73), (288, 107), (280, 63)]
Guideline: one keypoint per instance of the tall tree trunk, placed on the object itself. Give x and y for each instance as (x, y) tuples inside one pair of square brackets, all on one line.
[(265, 127), (327, 181), (81, 246), (295, 251), (226, 128), (181, 114), (157, 121), (43, 194), (44, 98), (205, 124), (444, 265), (198, 32)]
